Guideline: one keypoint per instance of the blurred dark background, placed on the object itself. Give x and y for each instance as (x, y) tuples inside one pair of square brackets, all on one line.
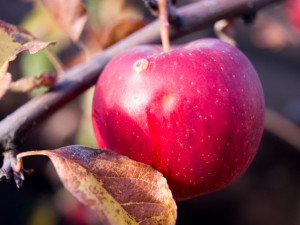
[(267, 194)]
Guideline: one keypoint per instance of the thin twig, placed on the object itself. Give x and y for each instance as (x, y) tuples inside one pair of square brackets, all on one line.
[(78, 79), (282, 128), (54, 60)]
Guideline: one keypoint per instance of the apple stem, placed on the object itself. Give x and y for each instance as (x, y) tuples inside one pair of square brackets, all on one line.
[(18, 166), (164, 24)]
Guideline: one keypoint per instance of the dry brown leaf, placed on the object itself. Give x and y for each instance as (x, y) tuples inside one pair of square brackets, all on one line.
[(120, 30), (70, 15), (118, 189), (109, 12), (14, 40), (27, 84)]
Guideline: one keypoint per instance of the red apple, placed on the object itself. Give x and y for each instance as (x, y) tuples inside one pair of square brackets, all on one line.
[(194, 113), (293, 12)]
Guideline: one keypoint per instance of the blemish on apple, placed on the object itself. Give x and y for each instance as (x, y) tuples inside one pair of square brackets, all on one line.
[(140, 65)]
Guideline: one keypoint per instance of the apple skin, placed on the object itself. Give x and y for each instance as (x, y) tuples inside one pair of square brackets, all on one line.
[(195, 113), (293, 12)]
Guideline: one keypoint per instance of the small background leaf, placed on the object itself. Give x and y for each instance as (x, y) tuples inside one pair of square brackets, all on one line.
[(118, 189), (120, 30), (70, 15), (27, 84), (14, 40), (109, 13)]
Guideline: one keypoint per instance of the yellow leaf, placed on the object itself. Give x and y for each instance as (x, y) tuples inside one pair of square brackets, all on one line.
[(14, 40), (118, 189)]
